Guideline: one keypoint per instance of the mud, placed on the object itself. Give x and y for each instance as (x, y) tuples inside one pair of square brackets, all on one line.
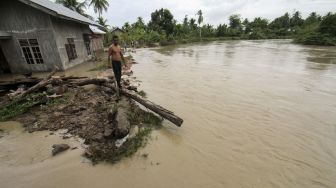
[(95, 114)]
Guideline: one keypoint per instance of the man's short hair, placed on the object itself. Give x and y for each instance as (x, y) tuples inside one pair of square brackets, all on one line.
[(115, 37)]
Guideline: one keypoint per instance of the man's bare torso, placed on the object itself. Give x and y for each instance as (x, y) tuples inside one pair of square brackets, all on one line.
[(114, 51)]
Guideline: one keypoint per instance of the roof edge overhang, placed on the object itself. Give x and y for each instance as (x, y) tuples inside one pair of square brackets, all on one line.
[(5, 35), (53, 13)]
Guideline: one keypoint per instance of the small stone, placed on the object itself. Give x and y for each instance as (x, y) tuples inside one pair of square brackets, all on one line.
[(66, 136), (58, 148), (57, 114), (98, 137), (134, 131), (108, 131)]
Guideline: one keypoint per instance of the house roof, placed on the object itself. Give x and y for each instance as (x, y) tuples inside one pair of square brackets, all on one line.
[(59, 11), (117, 29), (96, 30), (5, 35)]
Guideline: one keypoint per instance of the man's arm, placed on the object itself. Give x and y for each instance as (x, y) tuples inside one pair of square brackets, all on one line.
[(109, 65), (109, 53), (122, 57)]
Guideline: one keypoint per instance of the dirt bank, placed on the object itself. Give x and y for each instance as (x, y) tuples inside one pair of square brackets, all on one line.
[(113, 126)]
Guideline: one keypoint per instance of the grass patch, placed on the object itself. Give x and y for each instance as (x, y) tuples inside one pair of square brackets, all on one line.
[(103, 65), (56, 101), (109, 153), (142, 93), (130, 147), (140, 116), (16, 107)]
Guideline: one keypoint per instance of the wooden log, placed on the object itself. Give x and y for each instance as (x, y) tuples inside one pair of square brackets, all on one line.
[(87, 81), (32, 81), (26, 81), (36, 87), (169, 115)]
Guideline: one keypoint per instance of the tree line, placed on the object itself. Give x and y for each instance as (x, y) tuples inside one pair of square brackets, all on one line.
[(164, 29)]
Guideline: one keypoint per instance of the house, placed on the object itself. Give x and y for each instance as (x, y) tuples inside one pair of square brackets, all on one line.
[(96, 39), (117, 31), (36, 35)]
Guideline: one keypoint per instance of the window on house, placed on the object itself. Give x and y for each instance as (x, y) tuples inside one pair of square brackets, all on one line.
[(71, 49), (31, 51)]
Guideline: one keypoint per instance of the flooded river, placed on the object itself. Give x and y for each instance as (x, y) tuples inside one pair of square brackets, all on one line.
[(256, 114)]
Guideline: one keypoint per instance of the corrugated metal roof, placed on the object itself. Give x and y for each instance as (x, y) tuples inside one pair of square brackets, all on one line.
[(5, 35), (95, 30), (59, 11)]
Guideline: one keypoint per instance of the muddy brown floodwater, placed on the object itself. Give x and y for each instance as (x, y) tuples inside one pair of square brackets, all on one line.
[(256, 114)]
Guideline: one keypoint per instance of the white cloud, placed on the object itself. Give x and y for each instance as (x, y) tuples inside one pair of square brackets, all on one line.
[(215, 11)]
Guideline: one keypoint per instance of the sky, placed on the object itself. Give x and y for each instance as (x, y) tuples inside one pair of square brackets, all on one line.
[(215, 12)]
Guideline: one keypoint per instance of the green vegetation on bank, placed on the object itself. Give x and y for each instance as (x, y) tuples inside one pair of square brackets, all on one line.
[(145, 121), (163, 29), (317, 30), (17, 107)]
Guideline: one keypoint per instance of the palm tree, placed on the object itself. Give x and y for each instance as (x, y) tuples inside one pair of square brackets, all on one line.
[(199, 21), (99, 6), (75, 6), (101, 21)]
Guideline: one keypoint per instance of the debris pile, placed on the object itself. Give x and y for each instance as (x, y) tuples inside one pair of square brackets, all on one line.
[(113, 125)]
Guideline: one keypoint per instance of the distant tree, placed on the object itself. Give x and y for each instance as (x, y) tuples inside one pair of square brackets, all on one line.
[(208, 31), (313, 18), (328, 24), (296, 19), (162, 21), (99, 6), (235, 25), (246, 25), (126, 27), (221, 30), (139, 23), (185, 21), (192, 23), (296, 22), (281, 26), (199, 21)]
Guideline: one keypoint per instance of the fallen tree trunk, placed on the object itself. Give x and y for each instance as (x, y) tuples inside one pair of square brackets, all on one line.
[(32, 81), (87, 81), (36, 87), (169, 115), (14, 83)]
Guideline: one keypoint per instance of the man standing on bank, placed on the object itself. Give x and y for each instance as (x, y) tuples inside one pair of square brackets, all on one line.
[(115, 51)]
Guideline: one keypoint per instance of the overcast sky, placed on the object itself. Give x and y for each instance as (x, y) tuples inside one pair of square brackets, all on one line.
[(214, 11)]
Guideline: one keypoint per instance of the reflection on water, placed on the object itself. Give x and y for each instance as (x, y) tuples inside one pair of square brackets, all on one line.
[(256, 114)]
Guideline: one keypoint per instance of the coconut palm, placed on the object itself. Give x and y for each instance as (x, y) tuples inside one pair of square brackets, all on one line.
[(74, 5), (199, 21), (99, 6), (101, 21)]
